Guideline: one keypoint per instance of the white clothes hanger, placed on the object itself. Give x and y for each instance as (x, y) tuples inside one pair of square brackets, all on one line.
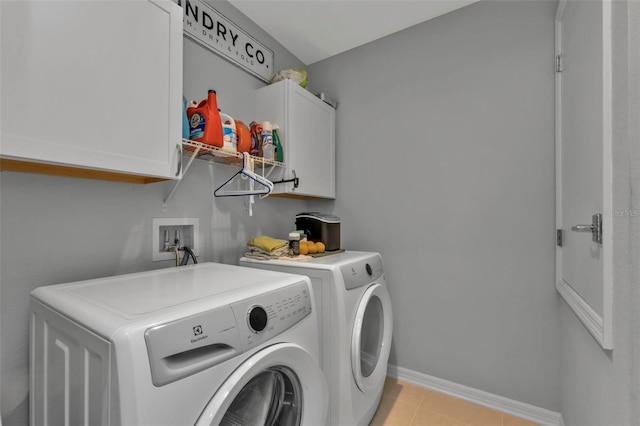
[(245, 182)]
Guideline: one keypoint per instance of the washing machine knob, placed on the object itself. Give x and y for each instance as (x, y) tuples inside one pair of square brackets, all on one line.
[(369, 270), (257, 319)]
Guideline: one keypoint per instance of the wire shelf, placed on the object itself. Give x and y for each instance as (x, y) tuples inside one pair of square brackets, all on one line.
[(201, 151), (207, 152)]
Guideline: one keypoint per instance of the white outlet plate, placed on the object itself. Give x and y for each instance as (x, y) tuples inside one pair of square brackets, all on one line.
[(189, 235)]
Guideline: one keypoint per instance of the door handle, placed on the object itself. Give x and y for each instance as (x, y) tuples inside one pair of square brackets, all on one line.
[(595, 228)]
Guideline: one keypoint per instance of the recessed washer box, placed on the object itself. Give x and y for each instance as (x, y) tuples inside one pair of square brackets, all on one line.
[(188, 229)]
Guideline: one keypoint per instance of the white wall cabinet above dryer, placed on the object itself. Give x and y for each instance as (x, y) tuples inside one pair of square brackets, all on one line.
[(307, 134), (92, 88)]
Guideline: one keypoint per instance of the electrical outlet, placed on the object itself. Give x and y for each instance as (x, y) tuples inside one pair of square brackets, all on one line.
[(179, 232)]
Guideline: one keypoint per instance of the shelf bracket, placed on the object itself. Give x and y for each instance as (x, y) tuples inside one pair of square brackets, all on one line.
[(193, 156), (294, 179)]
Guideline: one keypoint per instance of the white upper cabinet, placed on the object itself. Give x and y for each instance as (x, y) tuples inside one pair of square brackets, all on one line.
[(93, 85), (307, 133)]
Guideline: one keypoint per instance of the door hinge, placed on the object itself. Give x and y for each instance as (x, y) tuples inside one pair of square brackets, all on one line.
[(559, 237), (559, 63)]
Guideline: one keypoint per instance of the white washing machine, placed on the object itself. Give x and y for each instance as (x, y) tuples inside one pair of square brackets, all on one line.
[(207, 344), (356, 328)]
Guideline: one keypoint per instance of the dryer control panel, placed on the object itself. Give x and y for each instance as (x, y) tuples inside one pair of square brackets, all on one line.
[(362, 272), (183, 347)]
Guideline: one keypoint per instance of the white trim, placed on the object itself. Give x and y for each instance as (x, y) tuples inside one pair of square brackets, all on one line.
[(589, 317), (607, 178), (558, 133), (476, 396)]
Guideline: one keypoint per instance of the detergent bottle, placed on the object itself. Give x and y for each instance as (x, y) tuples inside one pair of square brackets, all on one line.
[(244, 137), (277, 143), (185, 120), (256, 139), (205, 124), (229, 134), (268, 149)]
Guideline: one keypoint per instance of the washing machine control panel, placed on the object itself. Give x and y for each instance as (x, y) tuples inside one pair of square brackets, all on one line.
[(269, 314), (183, 347)]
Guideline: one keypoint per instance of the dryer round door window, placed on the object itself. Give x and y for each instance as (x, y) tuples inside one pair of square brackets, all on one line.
[(371, 338), (279, 385)]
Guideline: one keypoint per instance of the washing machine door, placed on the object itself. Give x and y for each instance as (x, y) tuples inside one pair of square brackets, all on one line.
[(279, 385), (371, 339)]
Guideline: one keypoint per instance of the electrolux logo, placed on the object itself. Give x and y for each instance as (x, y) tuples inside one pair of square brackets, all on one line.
[(198, 331), (208, 27)]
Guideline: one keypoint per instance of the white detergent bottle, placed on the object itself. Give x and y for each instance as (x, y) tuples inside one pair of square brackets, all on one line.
[(268, 148), (229, 135)]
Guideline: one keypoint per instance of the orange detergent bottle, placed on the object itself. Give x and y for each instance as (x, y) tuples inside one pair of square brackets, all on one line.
[(205, 124)]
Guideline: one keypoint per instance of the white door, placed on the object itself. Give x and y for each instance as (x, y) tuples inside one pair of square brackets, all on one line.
[(371, 339), (279, 385), (583, 163)]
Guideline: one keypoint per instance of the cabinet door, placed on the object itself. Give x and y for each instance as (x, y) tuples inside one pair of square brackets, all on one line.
[(307, 133), (93, 84), (311, 126)]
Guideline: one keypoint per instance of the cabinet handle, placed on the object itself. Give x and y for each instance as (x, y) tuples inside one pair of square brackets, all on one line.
[(179, 147)]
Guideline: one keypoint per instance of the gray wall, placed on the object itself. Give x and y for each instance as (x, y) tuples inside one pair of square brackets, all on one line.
[(445, 145), (602, 387), (57, 229)]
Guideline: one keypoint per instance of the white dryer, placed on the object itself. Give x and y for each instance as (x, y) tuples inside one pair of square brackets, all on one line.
[(207, 344), (356, 328)]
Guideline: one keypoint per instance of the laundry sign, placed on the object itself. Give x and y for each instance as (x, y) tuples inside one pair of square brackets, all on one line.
[(210, 28)]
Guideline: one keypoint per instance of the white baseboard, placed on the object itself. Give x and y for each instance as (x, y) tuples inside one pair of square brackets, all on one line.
[(476, 396)]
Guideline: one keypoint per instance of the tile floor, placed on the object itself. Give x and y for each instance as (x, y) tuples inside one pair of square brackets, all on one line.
[(404, 404)]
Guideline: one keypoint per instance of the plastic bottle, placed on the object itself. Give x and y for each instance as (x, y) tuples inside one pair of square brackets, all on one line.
[(268, 149), (277, 144), (244, 137), (185, 120), (229, 135), (256, 139), (294, 243), (205, 124)]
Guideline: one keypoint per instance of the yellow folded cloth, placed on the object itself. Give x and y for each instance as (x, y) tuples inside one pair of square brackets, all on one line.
[(266, 243)]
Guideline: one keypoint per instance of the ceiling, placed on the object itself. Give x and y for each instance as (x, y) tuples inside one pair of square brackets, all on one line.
[(316, 29)]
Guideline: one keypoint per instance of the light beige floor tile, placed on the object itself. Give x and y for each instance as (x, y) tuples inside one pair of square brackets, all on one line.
[(405, 392), (404, 404), (392, 387), (508, 420), (392, 412), (384, 407), (425, 417), (460, 410)]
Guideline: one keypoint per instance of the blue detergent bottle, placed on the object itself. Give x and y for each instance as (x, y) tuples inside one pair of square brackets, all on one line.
[(185, 120)]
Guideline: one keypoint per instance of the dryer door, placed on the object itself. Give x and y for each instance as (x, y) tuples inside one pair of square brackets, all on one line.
[(371, 339), (279, 385)]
